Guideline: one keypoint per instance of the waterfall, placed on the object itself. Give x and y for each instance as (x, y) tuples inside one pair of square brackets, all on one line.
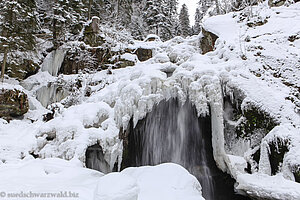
[(172, 132), (53, 61)]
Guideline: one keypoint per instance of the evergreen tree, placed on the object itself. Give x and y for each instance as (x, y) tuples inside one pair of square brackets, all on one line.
[(173, 16), (159, 17), (18, 24), (198, 18), (64, 19), (184, 21), (138, 25), (205, 5)]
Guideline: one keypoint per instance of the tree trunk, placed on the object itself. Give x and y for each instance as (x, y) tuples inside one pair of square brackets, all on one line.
[(89, 11), (218, 7), (4, 63)]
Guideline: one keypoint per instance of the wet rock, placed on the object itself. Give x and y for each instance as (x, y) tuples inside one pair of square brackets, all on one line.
[(207, 42), (13, 103)]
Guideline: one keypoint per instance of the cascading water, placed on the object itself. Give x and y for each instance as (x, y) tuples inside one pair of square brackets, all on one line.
[(172, 132)]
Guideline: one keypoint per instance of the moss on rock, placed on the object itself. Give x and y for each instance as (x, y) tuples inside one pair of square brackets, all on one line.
[(254, 120)]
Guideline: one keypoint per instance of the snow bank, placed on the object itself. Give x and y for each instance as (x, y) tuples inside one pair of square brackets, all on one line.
[(53, 175), (116, 186), (166, 181), (269, 187), (57, 176)]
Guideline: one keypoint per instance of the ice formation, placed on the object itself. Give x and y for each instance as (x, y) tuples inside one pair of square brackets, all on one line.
[(53, 61)]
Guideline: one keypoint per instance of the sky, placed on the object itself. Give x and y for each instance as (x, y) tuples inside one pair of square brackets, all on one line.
[(192, 5)]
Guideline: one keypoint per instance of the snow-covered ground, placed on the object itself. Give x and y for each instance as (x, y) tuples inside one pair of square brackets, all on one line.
[(54, 178), (268, 76)]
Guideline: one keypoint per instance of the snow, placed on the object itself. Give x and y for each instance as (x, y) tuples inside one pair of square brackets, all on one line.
[(52, 175), (166, 181), (130, 57), (270, 187), (117, 186)]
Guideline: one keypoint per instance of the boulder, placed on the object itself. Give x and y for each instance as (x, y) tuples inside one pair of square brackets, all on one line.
[(207, 42), (13, 103), (143, 54)]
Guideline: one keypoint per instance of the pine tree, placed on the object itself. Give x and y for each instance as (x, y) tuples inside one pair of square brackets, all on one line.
[(184, 21), (160, 17), (172, 16), (138, 25), (198, 18), (18, 24), (205, 5)]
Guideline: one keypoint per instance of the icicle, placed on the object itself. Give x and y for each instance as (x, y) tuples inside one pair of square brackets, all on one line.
[(264, 162)]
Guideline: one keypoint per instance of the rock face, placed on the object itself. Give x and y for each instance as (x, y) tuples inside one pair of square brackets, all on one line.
[(91, 33), (94, 59), (143, 54), (21, 70), (13, 103), (207, 43)]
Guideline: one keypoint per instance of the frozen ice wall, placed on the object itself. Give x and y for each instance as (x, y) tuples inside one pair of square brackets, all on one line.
[(53, 61)]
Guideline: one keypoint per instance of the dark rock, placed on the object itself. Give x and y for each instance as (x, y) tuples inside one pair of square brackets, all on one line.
[(207, 42), (143, 54), (13, 103), (292, 38), (257, 23), (296, 172), (276, 3), (48, 116), (80, 59), (99, 58)]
